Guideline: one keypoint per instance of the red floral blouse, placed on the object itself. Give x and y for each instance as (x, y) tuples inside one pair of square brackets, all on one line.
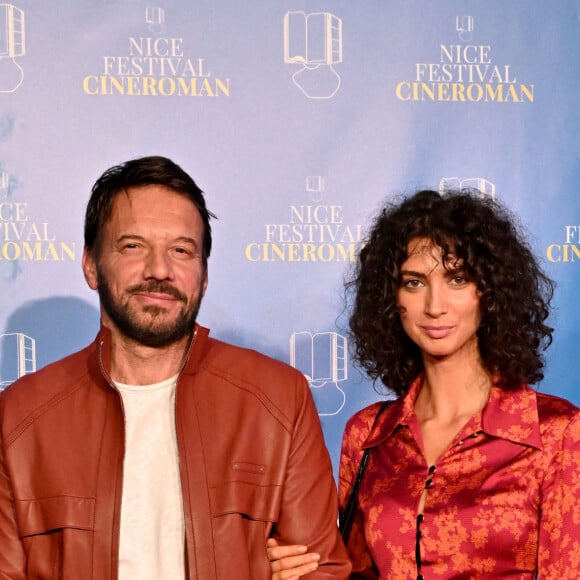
[(503, 501)]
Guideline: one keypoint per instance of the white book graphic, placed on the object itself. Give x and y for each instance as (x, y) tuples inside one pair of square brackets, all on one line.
[(12, 45), (484, 186), (322, 358), (314, 41), (18, 357)]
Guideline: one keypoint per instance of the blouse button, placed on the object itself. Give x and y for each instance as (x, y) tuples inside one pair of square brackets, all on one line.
[(432, 469), (428, 482)]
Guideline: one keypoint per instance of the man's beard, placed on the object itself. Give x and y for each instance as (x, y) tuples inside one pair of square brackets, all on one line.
[(151, 333)]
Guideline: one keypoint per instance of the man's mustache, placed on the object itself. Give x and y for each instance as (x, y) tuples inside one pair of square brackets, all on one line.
[(158, 288)]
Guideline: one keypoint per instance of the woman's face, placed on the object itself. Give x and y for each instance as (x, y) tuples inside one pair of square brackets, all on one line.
[(439, 308)]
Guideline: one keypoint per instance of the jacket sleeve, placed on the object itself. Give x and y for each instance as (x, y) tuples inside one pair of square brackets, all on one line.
[(309, 508), (559, 544), (356, 432), (12, 559)]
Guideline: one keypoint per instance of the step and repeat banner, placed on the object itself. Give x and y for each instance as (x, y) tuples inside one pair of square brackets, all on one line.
[(298, 118)]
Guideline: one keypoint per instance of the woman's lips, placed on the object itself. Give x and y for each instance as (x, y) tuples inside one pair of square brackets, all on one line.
[(437, 331)]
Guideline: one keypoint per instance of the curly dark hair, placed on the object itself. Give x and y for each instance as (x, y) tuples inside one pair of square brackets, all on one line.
[(515, 292)]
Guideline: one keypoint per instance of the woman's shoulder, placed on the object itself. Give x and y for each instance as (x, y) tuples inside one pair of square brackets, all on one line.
[(554, 404), (363, 420), (553, 410)]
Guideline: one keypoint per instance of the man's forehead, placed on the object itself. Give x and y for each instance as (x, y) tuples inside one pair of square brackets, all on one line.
[(147, 210), (145, 196)]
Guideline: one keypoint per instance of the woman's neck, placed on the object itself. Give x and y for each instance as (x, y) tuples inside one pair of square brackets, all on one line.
[(452, 400), (447, 400), (453, 388)]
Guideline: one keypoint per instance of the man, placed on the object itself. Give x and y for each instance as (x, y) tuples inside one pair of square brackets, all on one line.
[(158, 452)]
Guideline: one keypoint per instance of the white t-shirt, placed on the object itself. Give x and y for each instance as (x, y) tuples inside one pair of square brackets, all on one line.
[(152, 532)]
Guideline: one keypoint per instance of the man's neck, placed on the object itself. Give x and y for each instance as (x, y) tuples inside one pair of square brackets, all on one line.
[(136, 364)]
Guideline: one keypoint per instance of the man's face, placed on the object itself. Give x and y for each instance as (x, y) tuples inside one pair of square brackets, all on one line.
[(149, 271)]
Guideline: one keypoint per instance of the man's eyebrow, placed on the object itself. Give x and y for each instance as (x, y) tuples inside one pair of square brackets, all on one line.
[(125, 237), (182, 239), (187, 240)]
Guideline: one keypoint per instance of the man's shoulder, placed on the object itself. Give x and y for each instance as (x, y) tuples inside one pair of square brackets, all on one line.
[(248, 382), (247, 364), (34, 390)]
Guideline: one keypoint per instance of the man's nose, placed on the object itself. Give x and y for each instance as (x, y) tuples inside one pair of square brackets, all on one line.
[(158, 265)]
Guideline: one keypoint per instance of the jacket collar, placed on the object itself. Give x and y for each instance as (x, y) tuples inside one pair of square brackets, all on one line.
[(195, 350), (511, 415)]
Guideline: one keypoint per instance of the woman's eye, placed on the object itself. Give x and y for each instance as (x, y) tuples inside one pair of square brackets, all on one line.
[(412, 283), (458, 280)]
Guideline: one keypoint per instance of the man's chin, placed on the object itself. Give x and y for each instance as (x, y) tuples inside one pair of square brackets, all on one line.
[(154, 330), (155, 336)]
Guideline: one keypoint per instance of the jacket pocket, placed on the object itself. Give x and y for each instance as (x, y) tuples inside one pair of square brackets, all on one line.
[(57, 535), (42, 515), (247, 498), (243, 514)]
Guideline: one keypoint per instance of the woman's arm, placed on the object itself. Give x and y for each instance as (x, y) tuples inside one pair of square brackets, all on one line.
[(559, 543), (355, 434)]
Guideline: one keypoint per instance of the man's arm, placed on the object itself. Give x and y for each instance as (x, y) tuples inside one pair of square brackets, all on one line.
[(12, 558), (309, 508)]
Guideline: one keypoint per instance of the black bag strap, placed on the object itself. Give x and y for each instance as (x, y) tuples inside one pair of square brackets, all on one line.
[(346, 517)]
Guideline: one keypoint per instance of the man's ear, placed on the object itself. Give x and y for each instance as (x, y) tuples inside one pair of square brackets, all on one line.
[(90, 269)]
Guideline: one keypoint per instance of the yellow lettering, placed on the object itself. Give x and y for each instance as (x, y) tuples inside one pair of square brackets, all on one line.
[(89, 85), (32, 252), (550, 252), (528, 92), (11, 251), (223, 87), (250, 252), (70, 251), (399, 92), (462, 92)]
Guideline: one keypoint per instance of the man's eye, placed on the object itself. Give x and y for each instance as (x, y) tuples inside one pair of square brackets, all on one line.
[(182, 251)]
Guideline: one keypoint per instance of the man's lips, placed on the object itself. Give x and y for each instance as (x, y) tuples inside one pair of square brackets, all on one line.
[(155, 296)]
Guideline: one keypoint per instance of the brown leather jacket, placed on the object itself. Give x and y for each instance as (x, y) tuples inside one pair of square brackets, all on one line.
[(252, 456)]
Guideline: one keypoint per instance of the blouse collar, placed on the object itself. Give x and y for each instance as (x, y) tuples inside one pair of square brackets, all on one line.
[(511, 415)]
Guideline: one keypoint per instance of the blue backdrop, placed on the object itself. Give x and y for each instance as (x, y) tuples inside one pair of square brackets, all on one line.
[(297, 118)]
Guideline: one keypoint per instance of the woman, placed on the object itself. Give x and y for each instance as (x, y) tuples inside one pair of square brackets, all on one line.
[(472, 474)]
